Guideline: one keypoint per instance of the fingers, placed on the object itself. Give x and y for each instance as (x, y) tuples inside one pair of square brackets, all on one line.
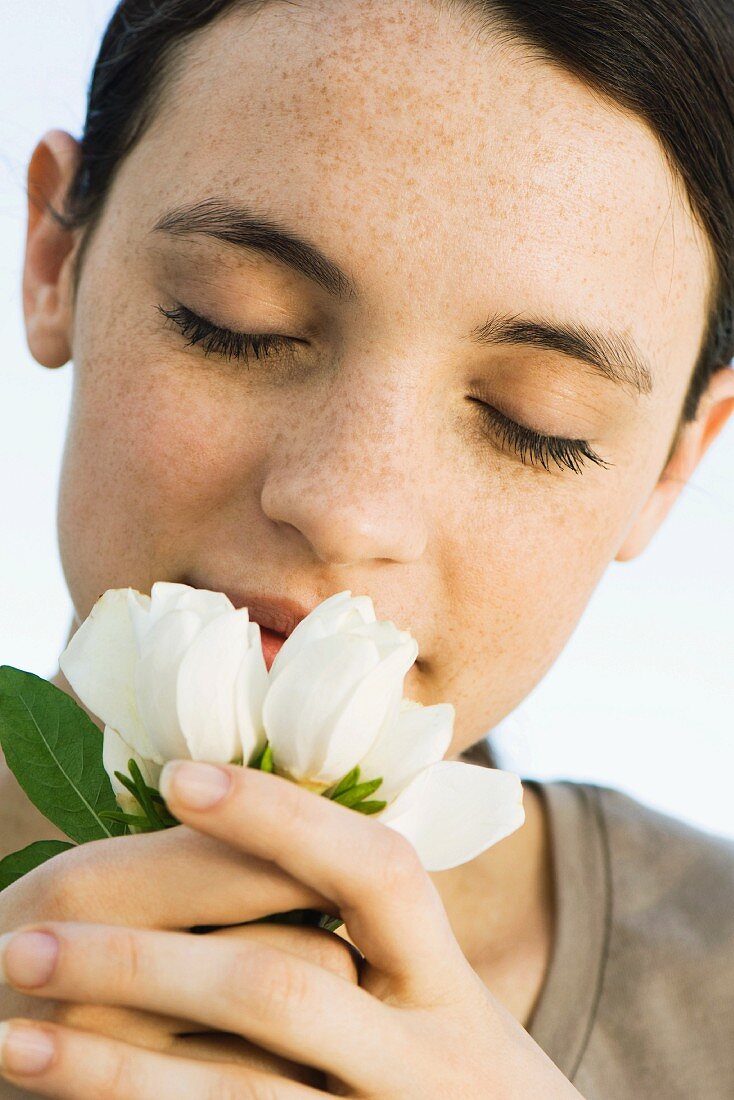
[(279, 1001), (213, 1046), (72, 1065), (176, 878), (320, 947), (392, 909)]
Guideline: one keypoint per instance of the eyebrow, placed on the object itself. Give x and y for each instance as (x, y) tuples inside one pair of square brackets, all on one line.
[(615, 356)]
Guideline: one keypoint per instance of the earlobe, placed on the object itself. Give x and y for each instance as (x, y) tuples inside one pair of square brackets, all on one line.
[(47, 302), (717, 405)]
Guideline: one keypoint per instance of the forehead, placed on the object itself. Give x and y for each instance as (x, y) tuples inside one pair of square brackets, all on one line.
[(450, 173)]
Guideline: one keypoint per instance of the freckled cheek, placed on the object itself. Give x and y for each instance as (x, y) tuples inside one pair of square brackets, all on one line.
[(517, 589), (148, 459), (193, 454)]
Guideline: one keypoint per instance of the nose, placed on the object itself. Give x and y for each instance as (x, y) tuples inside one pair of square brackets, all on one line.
[(351, 477)]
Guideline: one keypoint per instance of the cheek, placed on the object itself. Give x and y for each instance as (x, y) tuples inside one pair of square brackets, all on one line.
[(530, 556), (151, 452)]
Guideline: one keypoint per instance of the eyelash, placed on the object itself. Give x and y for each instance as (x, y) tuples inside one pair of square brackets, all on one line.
[(223, 341), (569, 453)]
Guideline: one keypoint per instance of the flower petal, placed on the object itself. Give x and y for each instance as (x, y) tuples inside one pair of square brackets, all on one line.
[(251, 686), (373, 704), (335, 615), (419, 736), (452, 811), (166, 596), (205, 690), (162, 651), (99, 663), (306, 697)]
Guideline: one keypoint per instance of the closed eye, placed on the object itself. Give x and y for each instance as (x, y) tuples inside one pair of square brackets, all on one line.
[(569, 453), (223, 341), (215, 340)]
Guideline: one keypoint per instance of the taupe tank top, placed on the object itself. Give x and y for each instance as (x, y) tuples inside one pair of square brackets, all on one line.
[(638, 1002)]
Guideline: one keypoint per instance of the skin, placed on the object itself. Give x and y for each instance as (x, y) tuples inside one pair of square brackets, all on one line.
[(499, 185)]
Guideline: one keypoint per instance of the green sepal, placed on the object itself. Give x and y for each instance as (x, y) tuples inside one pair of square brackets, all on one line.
[(125, 819), (141, 787), (370, 807), (264, 760), (356, 794), (347, 781), (330, 923)]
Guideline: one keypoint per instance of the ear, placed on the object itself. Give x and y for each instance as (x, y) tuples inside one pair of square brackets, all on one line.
[(717, 405), (47, 284)]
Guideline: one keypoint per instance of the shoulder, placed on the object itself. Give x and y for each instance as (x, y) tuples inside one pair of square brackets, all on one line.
[(662, 865), (646, 942), (668, 886), (667, 990)]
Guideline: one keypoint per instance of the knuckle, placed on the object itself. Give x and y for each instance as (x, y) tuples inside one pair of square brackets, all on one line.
[(277, 979), (400, 868), (294, 808), (337, 955), (114, 1077), (123, 954)]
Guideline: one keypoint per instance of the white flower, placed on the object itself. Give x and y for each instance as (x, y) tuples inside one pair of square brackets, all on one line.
[(335, 702), (177, 674), (181, 674), (335, 683)]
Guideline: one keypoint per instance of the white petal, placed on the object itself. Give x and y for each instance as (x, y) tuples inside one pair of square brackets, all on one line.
[(156, 678), (373, 703), (250, 688), (322, 622), (116, 754), (99, 663), (166, 596), (452, 811), (205, 698), (305, 699), (419, 736)]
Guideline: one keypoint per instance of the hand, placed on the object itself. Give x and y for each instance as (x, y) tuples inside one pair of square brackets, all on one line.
[(421, 1024), (171, 880)]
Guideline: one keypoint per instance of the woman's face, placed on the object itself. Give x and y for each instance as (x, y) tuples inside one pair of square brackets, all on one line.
[(458, 184)]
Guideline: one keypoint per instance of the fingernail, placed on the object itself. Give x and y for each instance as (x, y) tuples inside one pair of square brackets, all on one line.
[(27, 959), (196, 786), (25, 1049)]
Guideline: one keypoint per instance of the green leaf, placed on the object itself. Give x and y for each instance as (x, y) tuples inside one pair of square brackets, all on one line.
[(54, 750), (370, 807), (20, 863), (356, 794)]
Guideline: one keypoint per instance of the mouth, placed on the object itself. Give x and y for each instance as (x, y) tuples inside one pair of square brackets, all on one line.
[(277, 616), (271, 644)]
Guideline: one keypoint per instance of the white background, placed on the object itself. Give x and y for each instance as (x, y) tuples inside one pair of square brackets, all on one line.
[(642, 698)]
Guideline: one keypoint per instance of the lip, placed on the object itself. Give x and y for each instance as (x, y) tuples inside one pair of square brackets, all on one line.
[(277, 614)]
